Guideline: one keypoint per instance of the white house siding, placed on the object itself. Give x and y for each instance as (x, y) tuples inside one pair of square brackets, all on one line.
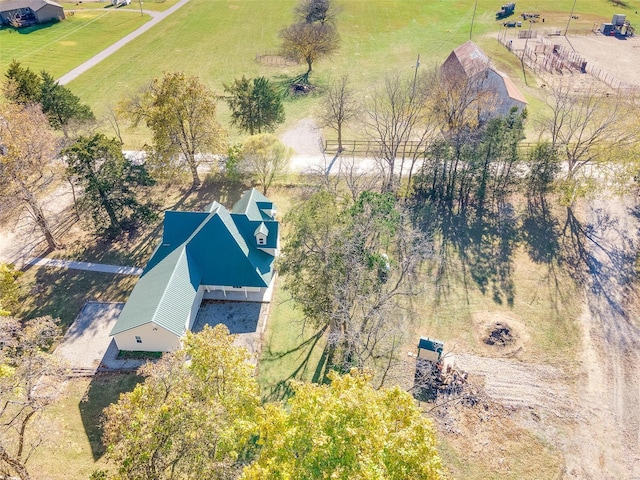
[(154, 339), (49, 12)]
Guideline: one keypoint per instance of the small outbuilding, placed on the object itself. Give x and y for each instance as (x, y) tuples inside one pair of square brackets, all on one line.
[(21, 13)]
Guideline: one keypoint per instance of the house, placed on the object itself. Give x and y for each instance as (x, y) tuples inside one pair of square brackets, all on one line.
[(468, 69), (215, 254), (27, 12)]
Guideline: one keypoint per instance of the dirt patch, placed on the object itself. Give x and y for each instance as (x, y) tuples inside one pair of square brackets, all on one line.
[(499, 333)]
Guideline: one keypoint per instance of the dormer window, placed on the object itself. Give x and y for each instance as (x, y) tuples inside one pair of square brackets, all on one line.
[(261, 234)]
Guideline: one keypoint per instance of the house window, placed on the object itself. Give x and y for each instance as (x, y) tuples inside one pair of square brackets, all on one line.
[(138, 339), (262, 240)]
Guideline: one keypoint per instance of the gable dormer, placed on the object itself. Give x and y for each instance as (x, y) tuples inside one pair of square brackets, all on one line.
[(261, 234)]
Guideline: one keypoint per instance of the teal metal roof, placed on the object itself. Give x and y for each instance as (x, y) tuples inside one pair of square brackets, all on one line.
[(254, 205), (199, 248)]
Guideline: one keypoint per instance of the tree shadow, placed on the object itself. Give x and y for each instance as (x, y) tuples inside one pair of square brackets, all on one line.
[(484, 242), (103, 390), (282, 389), (602, 255)]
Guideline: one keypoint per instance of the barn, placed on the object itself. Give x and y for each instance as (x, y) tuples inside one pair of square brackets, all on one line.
[(21, 13), (468, 68)]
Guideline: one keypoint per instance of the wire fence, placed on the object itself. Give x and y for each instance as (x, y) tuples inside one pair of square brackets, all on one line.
[(274, 59)]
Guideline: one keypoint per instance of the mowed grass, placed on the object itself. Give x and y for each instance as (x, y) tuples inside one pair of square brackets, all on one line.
[(60, 47), (73, 427)]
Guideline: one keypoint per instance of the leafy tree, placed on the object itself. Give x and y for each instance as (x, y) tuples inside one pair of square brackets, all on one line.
[(8, 288), (29, 383), (28, 149), (180, 112), (346, 430), (191, 418), (60, 105), (265, 159), (256, 105), (307, 42), (348, 267), (110, 181), (22, 85), (312, 11)]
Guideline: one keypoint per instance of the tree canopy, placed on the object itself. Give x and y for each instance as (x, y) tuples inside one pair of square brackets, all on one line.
[(110, 182), (29, 147), (192, 417), (255, 104), (307, 42), (347, 267), (180, 111), (8, 288), (345, 430), (265, 159), (29, 383), (59, 104)]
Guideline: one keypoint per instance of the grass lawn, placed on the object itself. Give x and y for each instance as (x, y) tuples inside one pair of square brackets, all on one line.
[(60, 47), (74, 448), (219, 41), (289, 352)]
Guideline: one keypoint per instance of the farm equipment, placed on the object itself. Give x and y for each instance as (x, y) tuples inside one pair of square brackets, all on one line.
[(506, 10), (435, 372)]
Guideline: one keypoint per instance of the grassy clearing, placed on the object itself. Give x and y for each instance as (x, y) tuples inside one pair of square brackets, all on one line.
[(74, 448), (60, 47), (290, 352)]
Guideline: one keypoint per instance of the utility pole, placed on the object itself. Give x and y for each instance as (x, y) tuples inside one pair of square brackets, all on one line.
[(570, 17), (524, 73), (141, 12), (415, 77), (475, 5)]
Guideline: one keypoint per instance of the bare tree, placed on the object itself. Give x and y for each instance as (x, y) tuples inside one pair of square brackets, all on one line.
[(589, 127), (307, 42), (397, 120), (27, 150), (339, 108), (29, 382)]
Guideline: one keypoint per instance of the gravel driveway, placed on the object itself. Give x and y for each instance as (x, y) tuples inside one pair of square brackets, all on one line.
[(87, 345)]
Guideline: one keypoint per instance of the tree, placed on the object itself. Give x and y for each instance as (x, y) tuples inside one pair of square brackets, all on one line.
[(60, 105), (28, 149), (589, 127), (180, 112), (8, 288), (29, 383), (320, 11), (339, 108), (348, 267), (346, 430), (192, 417), (397, 120), (255, 104), (22, 85), (307, 42), (265, 159), (110, 181)]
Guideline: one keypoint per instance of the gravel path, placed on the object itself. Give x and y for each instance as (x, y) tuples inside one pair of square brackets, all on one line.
[(94, 267)]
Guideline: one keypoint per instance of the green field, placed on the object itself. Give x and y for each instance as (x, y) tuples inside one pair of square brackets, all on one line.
[(219, 41)]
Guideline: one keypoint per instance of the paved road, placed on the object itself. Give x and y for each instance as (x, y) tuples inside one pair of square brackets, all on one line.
[(76, 72), (93, 267)]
